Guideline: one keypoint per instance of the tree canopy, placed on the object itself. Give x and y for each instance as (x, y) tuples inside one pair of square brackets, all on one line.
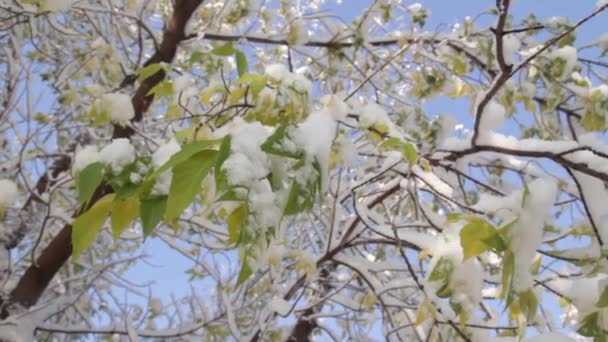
[(293, 155)]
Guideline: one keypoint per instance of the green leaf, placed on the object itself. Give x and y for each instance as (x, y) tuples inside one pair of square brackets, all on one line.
[(589, 326), (237, 223), (273, 144), (442, 270), (256, 82), (409, 151), (184, 154), (196, 57), (245, 273), (152, 210), (426, 310), (221, 181), (444, 291), (474, 235), (593, 121), (123, 212), (453, 217), (150, 70), (224, 50), (508, 265), (186, 182), (88, 180), (162, 89), (528, 303), (88, 225), (241, 62), (603, 301), (299, 198)]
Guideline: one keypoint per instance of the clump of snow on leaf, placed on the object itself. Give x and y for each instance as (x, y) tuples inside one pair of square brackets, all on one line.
[(335, 106), (249, 166), (466, 278), (528, 209), (161, 156), (247, 162), (298, 33), (374, 115), (566, 60), (601, 3), (583, 292), (119, 108), (315, 136), (8, 192), (118, 154), (84, 157), (279, 74)]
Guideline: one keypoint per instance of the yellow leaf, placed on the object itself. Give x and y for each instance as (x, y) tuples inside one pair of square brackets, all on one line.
[(123, 212), (425, 311), (87, 225), (237, 95)]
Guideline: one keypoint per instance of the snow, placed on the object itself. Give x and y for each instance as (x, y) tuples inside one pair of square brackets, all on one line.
[(8, 333), (414, 8), (280, 306), (466, 279), (511, 45), (529, 145), (373, 114), (160, 157), (315, 136), (278, 72), (526, 235), (118, 154), (84, 157), (58, 5), (550, 337), (594, 193), (8, 192), (335, 106), (263, 205), (601, 3), (569, 55), (583, 292), (299, 33), (492, 118), (527, 231), (431, 180), (301, 83), (119, 107), (247, 162)]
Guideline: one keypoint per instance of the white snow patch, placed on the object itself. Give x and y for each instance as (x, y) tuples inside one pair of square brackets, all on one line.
[(160, 157), (58, 5), (511, 45), (280, 306), (8, 192), (315, 136), (84, 157), (119, 107), (335, 106), (118, 154), (247, 162), (493, 117), (550, 337)]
